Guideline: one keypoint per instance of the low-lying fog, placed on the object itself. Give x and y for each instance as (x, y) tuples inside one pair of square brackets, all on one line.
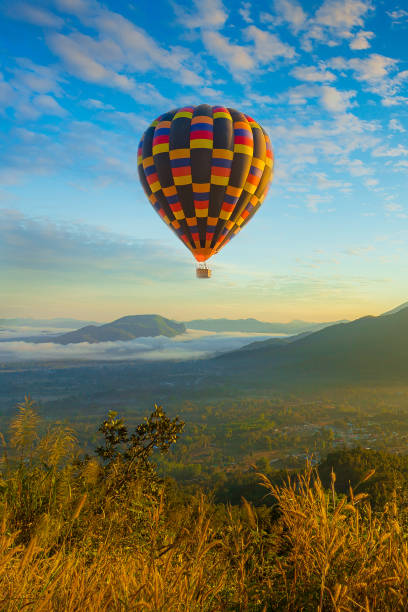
[(194, 344)]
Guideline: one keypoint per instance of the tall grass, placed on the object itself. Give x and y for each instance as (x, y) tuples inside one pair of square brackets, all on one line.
[(76, 536)]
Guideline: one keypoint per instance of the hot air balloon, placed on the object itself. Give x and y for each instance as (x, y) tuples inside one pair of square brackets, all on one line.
[(206, 170)]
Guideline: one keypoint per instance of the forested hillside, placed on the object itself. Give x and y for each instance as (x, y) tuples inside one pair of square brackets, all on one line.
[(367, 349)]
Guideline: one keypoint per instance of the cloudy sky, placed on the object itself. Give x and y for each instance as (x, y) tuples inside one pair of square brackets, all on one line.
[(80, 80)]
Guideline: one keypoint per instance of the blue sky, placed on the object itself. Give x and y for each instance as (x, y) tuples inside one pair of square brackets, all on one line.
[(80, 81)]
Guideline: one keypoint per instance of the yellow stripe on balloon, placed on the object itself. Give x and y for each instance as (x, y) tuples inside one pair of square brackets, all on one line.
[(148, 161), (219, 180), (179, 153), (161, 148), (222, 154), (201, 212), (183, 180), (155, 186), (201, 143), (185, 114), (240, 148), (219, 115)]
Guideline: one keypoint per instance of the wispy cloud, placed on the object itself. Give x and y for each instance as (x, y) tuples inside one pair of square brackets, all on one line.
[(193, 344), (36, 15), (206, 14), (121, 47), (398, 15), (361, 40), (378, 73), (313, 74), (79, 250)]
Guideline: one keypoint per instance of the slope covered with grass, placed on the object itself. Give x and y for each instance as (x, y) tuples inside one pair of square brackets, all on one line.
[(105, 533)]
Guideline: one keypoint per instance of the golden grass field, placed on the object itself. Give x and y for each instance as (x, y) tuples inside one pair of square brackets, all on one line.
[(79, 536)]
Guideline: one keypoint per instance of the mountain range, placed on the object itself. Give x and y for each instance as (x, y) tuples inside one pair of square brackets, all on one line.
[(369, 348), (255, 326)]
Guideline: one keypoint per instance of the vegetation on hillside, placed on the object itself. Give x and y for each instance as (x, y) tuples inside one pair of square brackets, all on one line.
[(104, 532)]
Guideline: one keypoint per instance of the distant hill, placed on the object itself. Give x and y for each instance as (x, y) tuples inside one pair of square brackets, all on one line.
[(126, 328), (370, 349), (255, 326)]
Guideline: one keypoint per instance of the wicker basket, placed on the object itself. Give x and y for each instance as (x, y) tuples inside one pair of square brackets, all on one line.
[(203, 273)]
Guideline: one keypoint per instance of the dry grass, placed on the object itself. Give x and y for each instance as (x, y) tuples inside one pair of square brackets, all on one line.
[(72, 541), (336, 554)]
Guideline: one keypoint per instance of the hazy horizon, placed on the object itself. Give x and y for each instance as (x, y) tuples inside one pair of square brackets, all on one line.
[(206, 315)]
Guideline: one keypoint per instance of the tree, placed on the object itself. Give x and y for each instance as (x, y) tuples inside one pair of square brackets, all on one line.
[(157, 432)]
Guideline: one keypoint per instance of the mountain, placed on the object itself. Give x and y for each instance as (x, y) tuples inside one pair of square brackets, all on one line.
[(126, 328), (254, 326), (396, 309), (370, 349)]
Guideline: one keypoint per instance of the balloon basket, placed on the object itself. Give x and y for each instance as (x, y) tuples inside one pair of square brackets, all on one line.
[(203, 272)]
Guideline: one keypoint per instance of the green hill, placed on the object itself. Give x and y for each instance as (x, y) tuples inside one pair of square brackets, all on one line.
[(370, 349), (126, 328)]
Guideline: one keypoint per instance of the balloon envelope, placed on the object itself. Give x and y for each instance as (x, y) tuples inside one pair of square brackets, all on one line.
[(206, 170)]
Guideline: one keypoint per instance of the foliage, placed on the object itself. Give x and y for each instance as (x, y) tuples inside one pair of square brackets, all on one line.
[(94, 533), (156, 432), (390, 477)]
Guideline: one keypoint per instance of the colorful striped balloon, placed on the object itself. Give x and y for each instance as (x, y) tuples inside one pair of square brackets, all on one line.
[(206, 170)]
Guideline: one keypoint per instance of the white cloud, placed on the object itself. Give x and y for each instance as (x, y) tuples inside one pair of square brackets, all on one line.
[(376, 72), (314, 200), (34, 78), (76, 7), (393, 207), (299, 95), (403, 164), (82, 252), (357, 167), (235, 57), (76, 51), (384, 151), (194, 344), (98, 104), (245, 12), (334, 21), (267, 45), (208, 14), (7, 93), (342, 15), (398, 15), (396, 126), (48, 105), (371, 182), (99, 155), (361, 40), (238, 58), (138, 123), (359, 251), (373, 68), (291, 12), (122, 48), (33, 14), (334, 100), (313, 74), (324, 182)]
